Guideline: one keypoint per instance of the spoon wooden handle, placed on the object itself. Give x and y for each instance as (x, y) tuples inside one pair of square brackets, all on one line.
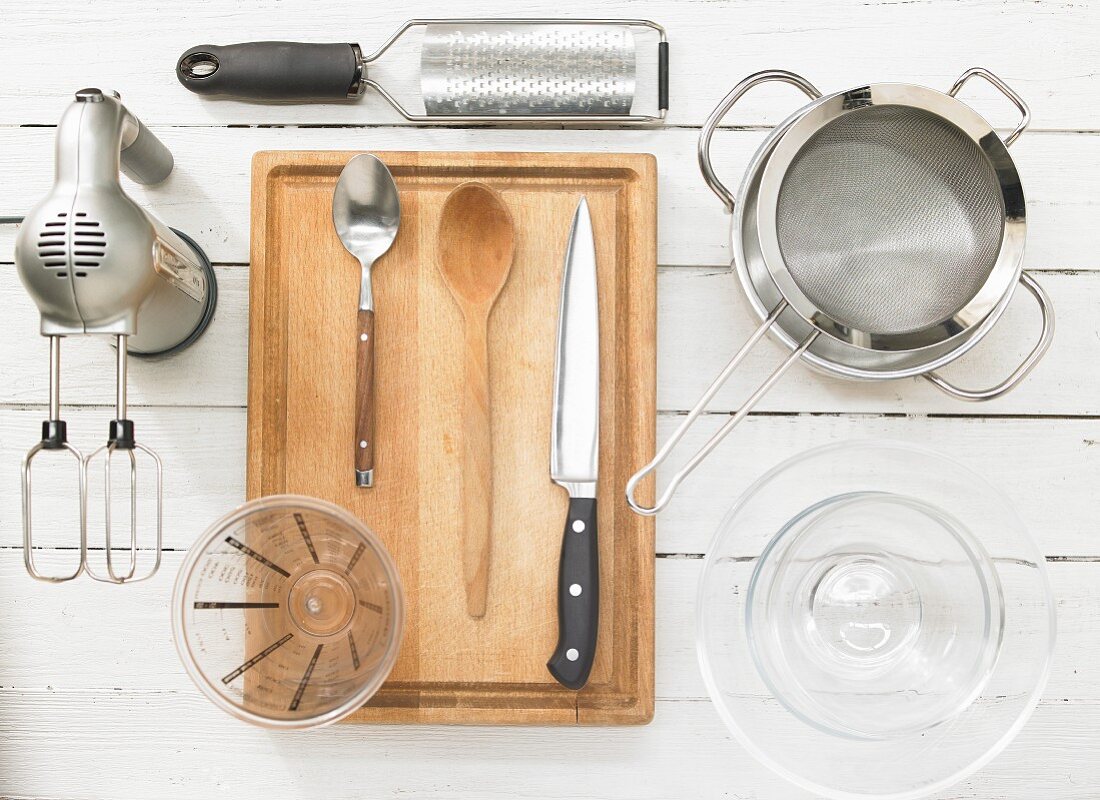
[(364, 400), (477, 468)]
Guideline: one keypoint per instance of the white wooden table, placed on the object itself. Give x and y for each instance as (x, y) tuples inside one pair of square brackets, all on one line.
[(93, 700)]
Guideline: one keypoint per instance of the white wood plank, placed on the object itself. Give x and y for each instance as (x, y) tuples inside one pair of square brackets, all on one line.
[(166, 745), (1047, 467), (1074, 674), (1045, 50), (123, 634), (203, 451), (702, 321), (212, 372), (207, 196)]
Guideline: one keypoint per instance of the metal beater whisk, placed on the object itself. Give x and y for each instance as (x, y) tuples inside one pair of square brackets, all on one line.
[(121, 439), (54, 437), (97, 263)]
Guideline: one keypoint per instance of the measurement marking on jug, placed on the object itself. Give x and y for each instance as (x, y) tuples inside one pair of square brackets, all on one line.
[(219, 604), (305, 535), (305, 679), (354, 652), (256, 659), (355, 558), (248, 551), (372, 606)]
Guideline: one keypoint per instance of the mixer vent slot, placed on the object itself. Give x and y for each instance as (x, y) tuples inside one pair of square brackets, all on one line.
[(87, 242)]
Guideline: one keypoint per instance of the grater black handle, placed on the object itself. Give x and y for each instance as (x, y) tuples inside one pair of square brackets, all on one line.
[(272, 70)]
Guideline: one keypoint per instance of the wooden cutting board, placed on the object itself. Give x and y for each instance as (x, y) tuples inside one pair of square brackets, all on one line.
[(301, 394)]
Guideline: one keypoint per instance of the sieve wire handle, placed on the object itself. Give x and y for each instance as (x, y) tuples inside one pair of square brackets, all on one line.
[(716, 116), (1021, 371), (700, 407), (1006, 90)]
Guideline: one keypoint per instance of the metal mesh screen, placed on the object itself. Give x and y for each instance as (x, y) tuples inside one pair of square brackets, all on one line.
[(890, 219)]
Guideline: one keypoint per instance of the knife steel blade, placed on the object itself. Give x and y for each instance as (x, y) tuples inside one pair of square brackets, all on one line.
[(574, 454), (574, 438)]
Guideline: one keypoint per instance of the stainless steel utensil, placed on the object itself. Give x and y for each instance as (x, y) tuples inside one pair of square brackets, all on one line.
[(879, 235), (97, 263), (574, 454), (366, 212), (471, 70)]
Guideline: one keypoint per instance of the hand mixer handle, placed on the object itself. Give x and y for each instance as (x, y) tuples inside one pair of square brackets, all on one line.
[(96, 125), (144, 159)]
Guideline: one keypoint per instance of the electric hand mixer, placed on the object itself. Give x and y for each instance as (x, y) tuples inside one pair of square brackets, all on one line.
[(95, 262)]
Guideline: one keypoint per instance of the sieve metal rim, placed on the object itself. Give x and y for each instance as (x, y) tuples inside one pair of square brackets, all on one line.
[(919, 362), (811, 119), (791, 328)]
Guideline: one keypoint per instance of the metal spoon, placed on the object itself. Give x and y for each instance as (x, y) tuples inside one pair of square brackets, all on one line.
[(366, 212)]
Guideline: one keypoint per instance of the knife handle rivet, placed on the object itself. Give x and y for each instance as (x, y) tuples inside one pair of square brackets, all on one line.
[(362, 337), (578, 526), (575, 590), (363, 444), (572, 654)]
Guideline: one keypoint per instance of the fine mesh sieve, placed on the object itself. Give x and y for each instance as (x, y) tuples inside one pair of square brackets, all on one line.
[(890, 219), (879, 235)]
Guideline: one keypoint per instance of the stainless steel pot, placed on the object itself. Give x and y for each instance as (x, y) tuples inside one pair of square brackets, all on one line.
[(879, 235)]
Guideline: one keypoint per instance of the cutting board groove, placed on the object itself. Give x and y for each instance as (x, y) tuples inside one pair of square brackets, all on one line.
[(303, 297)]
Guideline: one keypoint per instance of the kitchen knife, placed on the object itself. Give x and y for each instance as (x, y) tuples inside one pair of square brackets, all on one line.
[(574, 455)]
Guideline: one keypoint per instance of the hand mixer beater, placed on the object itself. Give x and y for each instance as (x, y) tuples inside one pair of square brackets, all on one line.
[(95, 262)]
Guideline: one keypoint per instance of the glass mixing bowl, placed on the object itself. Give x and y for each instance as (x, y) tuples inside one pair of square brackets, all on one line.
[(874, 621), (288, 612)]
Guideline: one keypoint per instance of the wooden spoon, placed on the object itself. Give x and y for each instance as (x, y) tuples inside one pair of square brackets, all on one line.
[(476, 242)]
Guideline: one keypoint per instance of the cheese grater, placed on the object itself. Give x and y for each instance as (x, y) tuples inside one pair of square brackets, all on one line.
[(470, 70), (95, 262)]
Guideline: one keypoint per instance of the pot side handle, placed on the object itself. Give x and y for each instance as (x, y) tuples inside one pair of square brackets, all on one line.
[(716, 116), (1028, 364), (1006, 90)]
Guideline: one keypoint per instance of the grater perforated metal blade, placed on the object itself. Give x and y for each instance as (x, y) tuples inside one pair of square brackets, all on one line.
[(471, 70), (524, 69)]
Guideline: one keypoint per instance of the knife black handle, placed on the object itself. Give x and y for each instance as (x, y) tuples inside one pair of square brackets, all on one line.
[(578, 596), (272, 70)]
